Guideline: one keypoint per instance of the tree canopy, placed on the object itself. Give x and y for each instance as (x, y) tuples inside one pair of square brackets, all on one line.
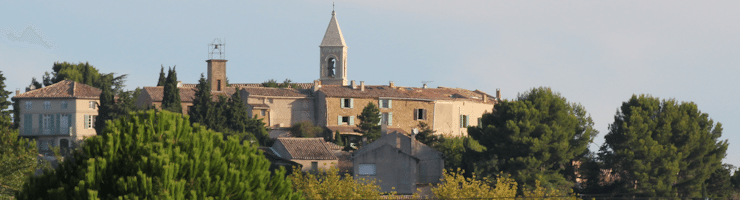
[(662, 148), (5, 120), (534, 138), (370, 121), (171, 95), (18, 160), (83, 73), (162, 79), (159, 155)]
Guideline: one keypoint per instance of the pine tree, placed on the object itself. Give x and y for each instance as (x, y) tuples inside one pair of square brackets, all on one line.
[(202, 103), (159, 155), (5, 120), (18, 159), (162, 79), (106, 109), (535, 139), (369, 121), (171, 96), (663, 148)]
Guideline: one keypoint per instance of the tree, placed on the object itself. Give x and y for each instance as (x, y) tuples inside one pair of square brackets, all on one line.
[(287, 83), (35, 84), (306, 130), (171, 94), (328, 184), (426, 135), (17, 161), (162, 79), (105, 110), (718, 185), (535, 139), (202, 103), (5, 120), (456, 186), (83, 73), (159, 155), (370, 121), (662, 148)]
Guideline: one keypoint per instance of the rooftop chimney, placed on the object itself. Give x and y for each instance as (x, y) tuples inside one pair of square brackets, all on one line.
[(316, 85), (354, 86), (391, 84), (498, 94), (362, 86), (485, 98), (17, 91), (425, 86), (179, 83)]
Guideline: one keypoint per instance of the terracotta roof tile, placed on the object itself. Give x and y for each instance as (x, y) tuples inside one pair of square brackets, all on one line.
[(281, 92), (306, 148), (64, 89), (186, 94), (241, 85), (375, 91)]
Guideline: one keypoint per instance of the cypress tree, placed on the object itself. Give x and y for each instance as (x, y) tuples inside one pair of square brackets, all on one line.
[(162, 79), (202, 104), (159, 155), (171, 96), (106, 109), (369, 120), (4, 103)]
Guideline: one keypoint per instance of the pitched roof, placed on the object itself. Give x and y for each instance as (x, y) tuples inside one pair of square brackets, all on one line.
[(63, 89), (281, 92), (333, 35), (243, 85), (306, 148), (384, 91), (187, 94)]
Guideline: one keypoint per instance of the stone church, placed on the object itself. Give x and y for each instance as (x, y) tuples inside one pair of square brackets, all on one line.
[(334, 102)]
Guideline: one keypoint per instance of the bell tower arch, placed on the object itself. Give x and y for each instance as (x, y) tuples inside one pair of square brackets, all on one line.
[(333, 63)]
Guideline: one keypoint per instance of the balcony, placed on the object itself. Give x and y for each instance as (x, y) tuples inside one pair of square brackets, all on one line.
[(47, 132)]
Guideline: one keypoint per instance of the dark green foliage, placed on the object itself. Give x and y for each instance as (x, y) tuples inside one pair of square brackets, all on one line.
[(17, 161), (338, 139), (718, 185), (5, 120), (369, 121), (306, 130), (35, 83), (84, 73), (458, 151), (105, 110), (287, 83), (662, 148), (228, 115), (159, 155), (171, 94), (426, 135), (16, 114), (534, 139), (202, 106), (162, 80)]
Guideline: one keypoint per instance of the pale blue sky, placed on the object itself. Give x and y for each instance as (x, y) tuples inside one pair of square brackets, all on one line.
[(594, 52)]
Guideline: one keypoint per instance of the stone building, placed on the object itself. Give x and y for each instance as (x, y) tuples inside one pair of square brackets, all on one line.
[(398, 163), (58, 115), (312, 153), (334, 102)]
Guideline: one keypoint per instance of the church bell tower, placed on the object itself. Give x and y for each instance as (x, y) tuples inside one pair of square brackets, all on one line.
[(333, 68)]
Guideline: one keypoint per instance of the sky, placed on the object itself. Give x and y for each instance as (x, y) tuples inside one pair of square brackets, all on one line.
[(595, 53)]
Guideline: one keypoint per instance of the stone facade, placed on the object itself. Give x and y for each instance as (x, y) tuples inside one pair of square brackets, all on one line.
[(217, 74)]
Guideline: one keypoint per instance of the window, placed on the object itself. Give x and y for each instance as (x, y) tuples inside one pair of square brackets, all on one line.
[(346, 102), (29, 105), (64, 124), (346, 120), (46, 127), (386, 118), (263, 112), (464, 121), (314, 166), (367, 169), (92, 104), (64, 144), (89, 121), (64, 105), (218, 87), (47, 105), (420, 114), (385, 103)]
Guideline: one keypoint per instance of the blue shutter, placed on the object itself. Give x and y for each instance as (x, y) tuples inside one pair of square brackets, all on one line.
[(461, 121), (390, 118), (28, 124), (339, 120), (86, 122), (380, 122), (55, 123), (41, 123), (390, 103), (351, 103), (341, 103), (351, 120), (380, 103), (467, 120)]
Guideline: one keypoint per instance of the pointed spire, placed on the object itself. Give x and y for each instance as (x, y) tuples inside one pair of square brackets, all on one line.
[(333, 35)]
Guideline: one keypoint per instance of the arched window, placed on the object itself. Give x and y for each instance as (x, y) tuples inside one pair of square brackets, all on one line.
[(332, 66)]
